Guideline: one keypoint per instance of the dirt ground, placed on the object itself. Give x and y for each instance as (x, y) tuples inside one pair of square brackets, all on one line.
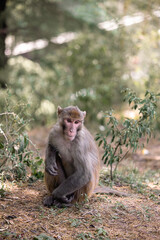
[(136, 216)]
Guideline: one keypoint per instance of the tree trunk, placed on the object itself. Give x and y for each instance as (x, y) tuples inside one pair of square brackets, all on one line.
[(3, 34)]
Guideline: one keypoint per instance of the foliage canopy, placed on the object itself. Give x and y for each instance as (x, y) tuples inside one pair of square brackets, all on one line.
[(78, 52)]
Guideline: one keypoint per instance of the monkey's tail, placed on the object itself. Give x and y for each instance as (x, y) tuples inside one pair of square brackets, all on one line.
[(103, 189)]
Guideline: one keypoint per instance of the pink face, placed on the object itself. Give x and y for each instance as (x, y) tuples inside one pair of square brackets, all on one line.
[(71, 127)]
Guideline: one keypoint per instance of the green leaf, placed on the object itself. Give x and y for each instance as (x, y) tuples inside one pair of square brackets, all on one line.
[(1, 145), (97, 138), (112, 140), (105, 154), (39, 162), (100, 143), (120, 151), (106, 159), (26, 141), (147, 92)]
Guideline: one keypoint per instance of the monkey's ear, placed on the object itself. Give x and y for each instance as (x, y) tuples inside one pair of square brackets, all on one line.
[(59, 110), (84, 114)]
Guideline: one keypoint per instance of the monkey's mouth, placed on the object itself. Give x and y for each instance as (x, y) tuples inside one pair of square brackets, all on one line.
[(70, 137)]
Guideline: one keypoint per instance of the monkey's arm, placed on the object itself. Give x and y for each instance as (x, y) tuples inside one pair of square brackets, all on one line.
[(78, 179), (50, 160)]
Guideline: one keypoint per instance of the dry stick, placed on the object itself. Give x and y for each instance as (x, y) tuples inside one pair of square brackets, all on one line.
[(3, 229), (34, 145), (5, 114), (8, 113), (111, 171), (1, 131), (121, 160), (5, 160)]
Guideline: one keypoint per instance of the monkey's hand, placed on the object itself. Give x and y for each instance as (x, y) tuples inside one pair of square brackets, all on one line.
[(48, 201), (64, 199), (60, 203), (52, 169), (67, 199)]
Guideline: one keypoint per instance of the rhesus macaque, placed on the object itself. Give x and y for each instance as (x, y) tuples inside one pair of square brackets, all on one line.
[(71, 161)]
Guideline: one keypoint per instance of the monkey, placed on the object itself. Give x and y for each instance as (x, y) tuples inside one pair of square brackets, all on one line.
[(72, 159)]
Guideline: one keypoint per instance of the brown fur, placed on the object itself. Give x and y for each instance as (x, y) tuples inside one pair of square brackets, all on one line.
[(53, 182), (74, 114), (79, 195), (77, 161)]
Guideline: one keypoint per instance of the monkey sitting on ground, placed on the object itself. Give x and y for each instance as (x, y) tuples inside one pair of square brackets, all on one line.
[(71, 161)]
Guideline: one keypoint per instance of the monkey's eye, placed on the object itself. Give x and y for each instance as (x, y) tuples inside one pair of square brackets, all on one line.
[(76, 122), (69, 120)]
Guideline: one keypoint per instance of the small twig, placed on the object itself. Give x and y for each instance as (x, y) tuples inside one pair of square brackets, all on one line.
[(3, 229), (121, 160), (124, 155), (34, 146), (44, 229), (25, 123), (111, 166), (90, 212), (9, 199), (13, 197), (1, 131), (116, 148), (8, 222), (8, 113), (6, 199)]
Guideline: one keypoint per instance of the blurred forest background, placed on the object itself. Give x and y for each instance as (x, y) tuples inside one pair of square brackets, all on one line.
[(84, 52), (79, 52)]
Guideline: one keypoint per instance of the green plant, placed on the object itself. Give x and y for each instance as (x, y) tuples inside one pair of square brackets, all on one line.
[(43, 237), (84, 236), (15, 153), (119, 205), (126, 136), (100, 234), (2, 191), (75, 222), (147, 213), (11, 235)]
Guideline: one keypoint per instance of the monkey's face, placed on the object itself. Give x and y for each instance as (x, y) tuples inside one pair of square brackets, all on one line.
[(71, 127)]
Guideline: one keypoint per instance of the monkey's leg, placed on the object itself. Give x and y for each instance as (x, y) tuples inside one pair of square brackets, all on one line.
[(85, 191), (88, 189)]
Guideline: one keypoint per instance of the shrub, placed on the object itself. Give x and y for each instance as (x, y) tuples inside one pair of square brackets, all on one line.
[(126, 136), (17, 160)]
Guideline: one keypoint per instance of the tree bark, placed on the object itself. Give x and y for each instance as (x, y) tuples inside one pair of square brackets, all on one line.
[(3, 34)]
